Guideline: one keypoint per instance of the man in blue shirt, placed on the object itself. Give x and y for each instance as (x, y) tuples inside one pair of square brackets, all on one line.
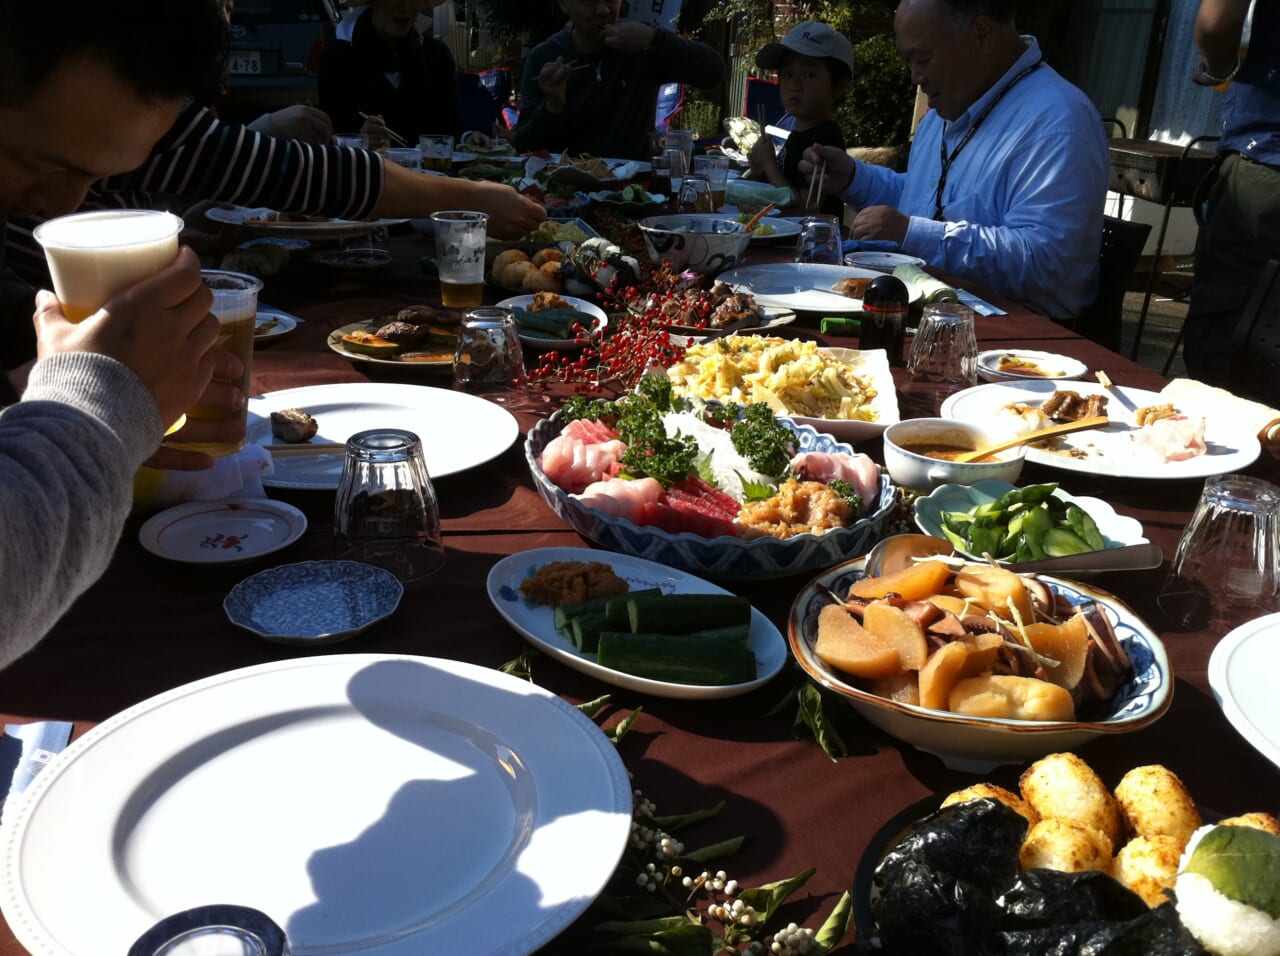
[(1242, 217), (1009, 169)]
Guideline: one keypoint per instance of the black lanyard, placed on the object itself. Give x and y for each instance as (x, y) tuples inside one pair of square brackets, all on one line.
[(986, 111)]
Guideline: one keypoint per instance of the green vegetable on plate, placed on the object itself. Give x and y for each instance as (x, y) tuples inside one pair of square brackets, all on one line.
[(1025, 524)]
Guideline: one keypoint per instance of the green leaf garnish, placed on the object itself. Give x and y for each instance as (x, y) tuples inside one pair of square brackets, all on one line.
[(837, 924), (1242, 863), (810, 715), (766, 899), (593, 707), (679, 820), (756, 490), (715, 851), (521, 666)]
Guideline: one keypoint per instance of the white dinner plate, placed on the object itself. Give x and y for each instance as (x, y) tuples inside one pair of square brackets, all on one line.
[(874, 364), (782, 228), (1036, 366), (369, 804), (1242, 673), (535, 621), (882, 261), (537, 341), (805, 286), (222, 532), (278, 324), (1110, 450), (458, 431), (252, 219)]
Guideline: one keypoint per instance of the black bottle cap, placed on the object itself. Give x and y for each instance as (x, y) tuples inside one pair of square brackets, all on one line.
[(886, 292)]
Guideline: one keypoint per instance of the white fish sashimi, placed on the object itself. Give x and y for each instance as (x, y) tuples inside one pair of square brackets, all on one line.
[(621, 497), (826, 467), (573, 464), (1173, 439)]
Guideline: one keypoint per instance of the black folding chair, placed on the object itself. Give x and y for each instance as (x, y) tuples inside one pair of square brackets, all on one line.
[(1122, 244)]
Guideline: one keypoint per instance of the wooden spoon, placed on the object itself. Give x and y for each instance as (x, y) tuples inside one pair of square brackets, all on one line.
[(1079, 425)]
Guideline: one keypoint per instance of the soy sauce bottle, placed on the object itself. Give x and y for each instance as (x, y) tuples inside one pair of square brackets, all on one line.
[(884, 317)]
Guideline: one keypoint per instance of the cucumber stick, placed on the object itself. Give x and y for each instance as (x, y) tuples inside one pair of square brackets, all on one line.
[(677, 658), (685, 613)]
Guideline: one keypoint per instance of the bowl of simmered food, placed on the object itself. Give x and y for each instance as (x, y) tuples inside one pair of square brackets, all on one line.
[(706, 246), (978, 664), (920, 453)]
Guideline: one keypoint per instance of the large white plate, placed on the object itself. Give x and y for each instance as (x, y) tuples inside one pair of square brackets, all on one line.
[(782, 228), (801, 285), (458, 431), (535, 621), (369, 804), (250, 218), (1111, 450), (222, 532), (873, 363), (1242, 673)]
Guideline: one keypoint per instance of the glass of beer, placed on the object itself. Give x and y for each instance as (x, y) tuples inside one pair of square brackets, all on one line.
[(660, 180), (695, 194), (716, 169), (235, 305), (460, 241), (437, 152)]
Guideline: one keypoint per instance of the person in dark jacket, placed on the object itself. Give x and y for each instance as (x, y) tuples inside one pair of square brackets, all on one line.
[(593, 86), (381, 66)]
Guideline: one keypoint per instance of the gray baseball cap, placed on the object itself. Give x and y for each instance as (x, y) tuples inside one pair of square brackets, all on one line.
[(809, 38)]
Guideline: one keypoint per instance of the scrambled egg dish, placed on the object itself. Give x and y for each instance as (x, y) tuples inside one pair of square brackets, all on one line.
[(792, 377)]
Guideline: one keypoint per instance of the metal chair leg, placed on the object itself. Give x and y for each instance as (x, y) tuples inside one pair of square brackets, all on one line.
[(1151, 282)]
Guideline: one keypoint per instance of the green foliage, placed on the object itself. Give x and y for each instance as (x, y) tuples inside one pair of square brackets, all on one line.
[(701, 113), (877, 111)]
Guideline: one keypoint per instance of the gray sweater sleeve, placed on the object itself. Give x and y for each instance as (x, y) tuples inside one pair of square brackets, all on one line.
[(68, 453)]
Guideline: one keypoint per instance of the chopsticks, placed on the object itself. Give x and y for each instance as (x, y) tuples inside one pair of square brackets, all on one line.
[(391, 134), (306, 448), (813, 200), (1078, 425), (1105, 381)]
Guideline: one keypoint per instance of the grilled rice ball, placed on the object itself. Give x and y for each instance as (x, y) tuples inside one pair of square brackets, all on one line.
[(543, 256), (1155, 803), (514, 272), (1148, 865), (534, 280), (504, 259), (1063, 786), (1058, 844), (1259, 821), (980, 791)]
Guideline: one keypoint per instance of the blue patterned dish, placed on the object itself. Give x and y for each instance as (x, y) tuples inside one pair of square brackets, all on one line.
[(976, 744), (722, 557), (709, 246), (313, 602)]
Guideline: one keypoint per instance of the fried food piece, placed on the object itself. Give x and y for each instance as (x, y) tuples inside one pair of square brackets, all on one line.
[(293, 426), (1058, 844), (547, 300), (1259, 821), (980, 791), (572, 582), (1149, 866), (1153, 413), (854, 288), (543, 256), (1069, 406), (1094, 406), (1062, 786), (403, 333), (428, 315), (1155, 803)]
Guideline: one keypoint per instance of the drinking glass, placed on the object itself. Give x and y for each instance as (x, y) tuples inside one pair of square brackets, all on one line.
[(819, 240), (385, 512), (943, 357), (682, 139), (716, 168), (489, 358), (460, 240), (660, 179), (695, 194), (353, 140), (218, 929), (677, 167), (1225, 570), (235, 305), (408, 158), (437, 151)]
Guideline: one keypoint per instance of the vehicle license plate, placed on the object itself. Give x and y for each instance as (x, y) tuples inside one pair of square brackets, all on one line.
[(246, 62)]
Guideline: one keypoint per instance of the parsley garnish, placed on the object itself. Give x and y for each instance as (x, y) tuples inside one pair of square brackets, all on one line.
[(846, 491), (764, 441)]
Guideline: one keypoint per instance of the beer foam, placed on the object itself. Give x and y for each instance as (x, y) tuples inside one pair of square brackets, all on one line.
[(108, 228)]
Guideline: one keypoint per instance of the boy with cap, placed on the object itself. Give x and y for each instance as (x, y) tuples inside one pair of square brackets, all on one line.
[(815, 68)]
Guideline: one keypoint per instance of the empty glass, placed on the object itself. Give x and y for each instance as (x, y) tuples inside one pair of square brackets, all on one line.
[(819, 240), (1225, 569), (681, 139), (385, 511), (489, 358)]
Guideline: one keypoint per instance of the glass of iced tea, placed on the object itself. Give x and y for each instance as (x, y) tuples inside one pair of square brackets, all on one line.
[(235, 305), (460, 239), (437, 152), (716, 169)]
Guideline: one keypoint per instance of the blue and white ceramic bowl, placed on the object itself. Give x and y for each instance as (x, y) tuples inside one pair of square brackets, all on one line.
[(707, 246), (722, 557), (976, 744), (313, 602)]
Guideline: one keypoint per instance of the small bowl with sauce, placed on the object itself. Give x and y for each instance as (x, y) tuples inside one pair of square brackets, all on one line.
[(919, 453), (1015, 365)]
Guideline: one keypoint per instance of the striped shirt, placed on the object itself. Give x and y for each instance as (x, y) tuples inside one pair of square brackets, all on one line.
[(204, 158)]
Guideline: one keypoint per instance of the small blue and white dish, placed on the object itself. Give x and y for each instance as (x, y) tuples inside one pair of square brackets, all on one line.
[(313, 602), (722, 557), (976, 744)]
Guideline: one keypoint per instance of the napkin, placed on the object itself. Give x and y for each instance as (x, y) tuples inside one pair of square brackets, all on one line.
[(739, 191), (1187, 394), (238, 474), (870, 245), (933, 290)]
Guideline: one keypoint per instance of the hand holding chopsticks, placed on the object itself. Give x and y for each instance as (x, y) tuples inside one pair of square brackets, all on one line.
[(391, 134), (813, 201)]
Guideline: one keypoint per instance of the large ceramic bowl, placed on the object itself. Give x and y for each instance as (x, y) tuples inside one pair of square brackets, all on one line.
[(976, 744), (921, 472), (707, 246), (722, 557)]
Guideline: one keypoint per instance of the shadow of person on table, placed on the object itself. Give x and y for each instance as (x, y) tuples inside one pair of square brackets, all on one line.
[(477, 819)]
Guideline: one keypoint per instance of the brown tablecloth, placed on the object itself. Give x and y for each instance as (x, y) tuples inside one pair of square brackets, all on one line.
[(150, 625)]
